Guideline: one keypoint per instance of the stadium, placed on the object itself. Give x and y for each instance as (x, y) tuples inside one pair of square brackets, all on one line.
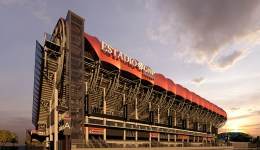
[(88, 94)]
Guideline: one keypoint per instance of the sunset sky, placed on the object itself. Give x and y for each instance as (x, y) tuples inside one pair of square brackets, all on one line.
[(210, 47)]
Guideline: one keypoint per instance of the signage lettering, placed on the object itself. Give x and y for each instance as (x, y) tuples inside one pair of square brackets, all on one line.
[(133, 63), (154, 135), (95, 130), (67, 125)]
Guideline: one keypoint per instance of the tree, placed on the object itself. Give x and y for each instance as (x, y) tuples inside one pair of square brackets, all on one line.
[(5, 136), (256, 140), (235, 137), (14, 138)]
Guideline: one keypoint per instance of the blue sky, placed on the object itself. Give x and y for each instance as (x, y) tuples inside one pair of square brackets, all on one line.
[(210, 47)]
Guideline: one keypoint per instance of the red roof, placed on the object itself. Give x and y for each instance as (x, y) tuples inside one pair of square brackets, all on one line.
[(161, 81), (180, 91), (158, 79)]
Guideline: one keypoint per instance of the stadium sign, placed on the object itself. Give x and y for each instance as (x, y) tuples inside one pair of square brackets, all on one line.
[(133, 63)]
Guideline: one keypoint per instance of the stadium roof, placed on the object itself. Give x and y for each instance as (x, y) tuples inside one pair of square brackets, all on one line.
[(156, 78)]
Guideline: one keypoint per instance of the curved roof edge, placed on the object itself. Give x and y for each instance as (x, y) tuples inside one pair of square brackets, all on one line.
[(114, 57)]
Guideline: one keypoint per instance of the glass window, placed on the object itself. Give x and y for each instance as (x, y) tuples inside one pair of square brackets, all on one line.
[(38, 59)]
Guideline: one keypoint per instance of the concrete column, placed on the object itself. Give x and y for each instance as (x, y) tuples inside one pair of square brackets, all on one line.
[(87, 134), (150, 140), (50, 126), (175, 123), (158, 116), (136, 109), (124, 136), (187, 123), (105, 112), (168, 114), (175, 118), (47, 142), (136, 135), (188, 126), (45, 56), (210, 128), (124, 99), (104, 101), (86, 117), (56, 130)]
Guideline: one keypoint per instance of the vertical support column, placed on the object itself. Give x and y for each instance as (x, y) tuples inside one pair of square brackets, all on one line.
[(182, 117), (86, 117), (136, 109), (169, 136), (75, 90), (187, 122), (136, 136), (188, 126), (123, 99), (210, 131), (124, 136), (47, 142), (158, 114), (136, 139), (50, 126), (45, 56), (105, 112), (210, 128), (198, 126), (175, 123), (56, 130), (150, 139), (86, 130)]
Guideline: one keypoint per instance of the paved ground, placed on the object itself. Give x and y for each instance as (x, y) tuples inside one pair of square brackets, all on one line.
[(163, 148)]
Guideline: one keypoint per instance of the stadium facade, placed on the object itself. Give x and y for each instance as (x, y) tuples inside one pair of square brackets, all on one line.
[(89, 94)]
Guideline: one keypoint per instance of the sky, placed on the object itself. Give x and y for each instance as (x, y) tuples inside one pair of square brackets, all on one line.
[(210, 47)]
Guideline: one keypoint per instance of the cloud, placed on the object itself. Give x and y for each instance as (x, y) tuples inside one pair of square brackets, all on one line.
[(40, 14), (234, 108), (254, 113), (198, 81), (208, 32), (12, 2), (228, 61), (239, 117), (252, 125), (37, 8)]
